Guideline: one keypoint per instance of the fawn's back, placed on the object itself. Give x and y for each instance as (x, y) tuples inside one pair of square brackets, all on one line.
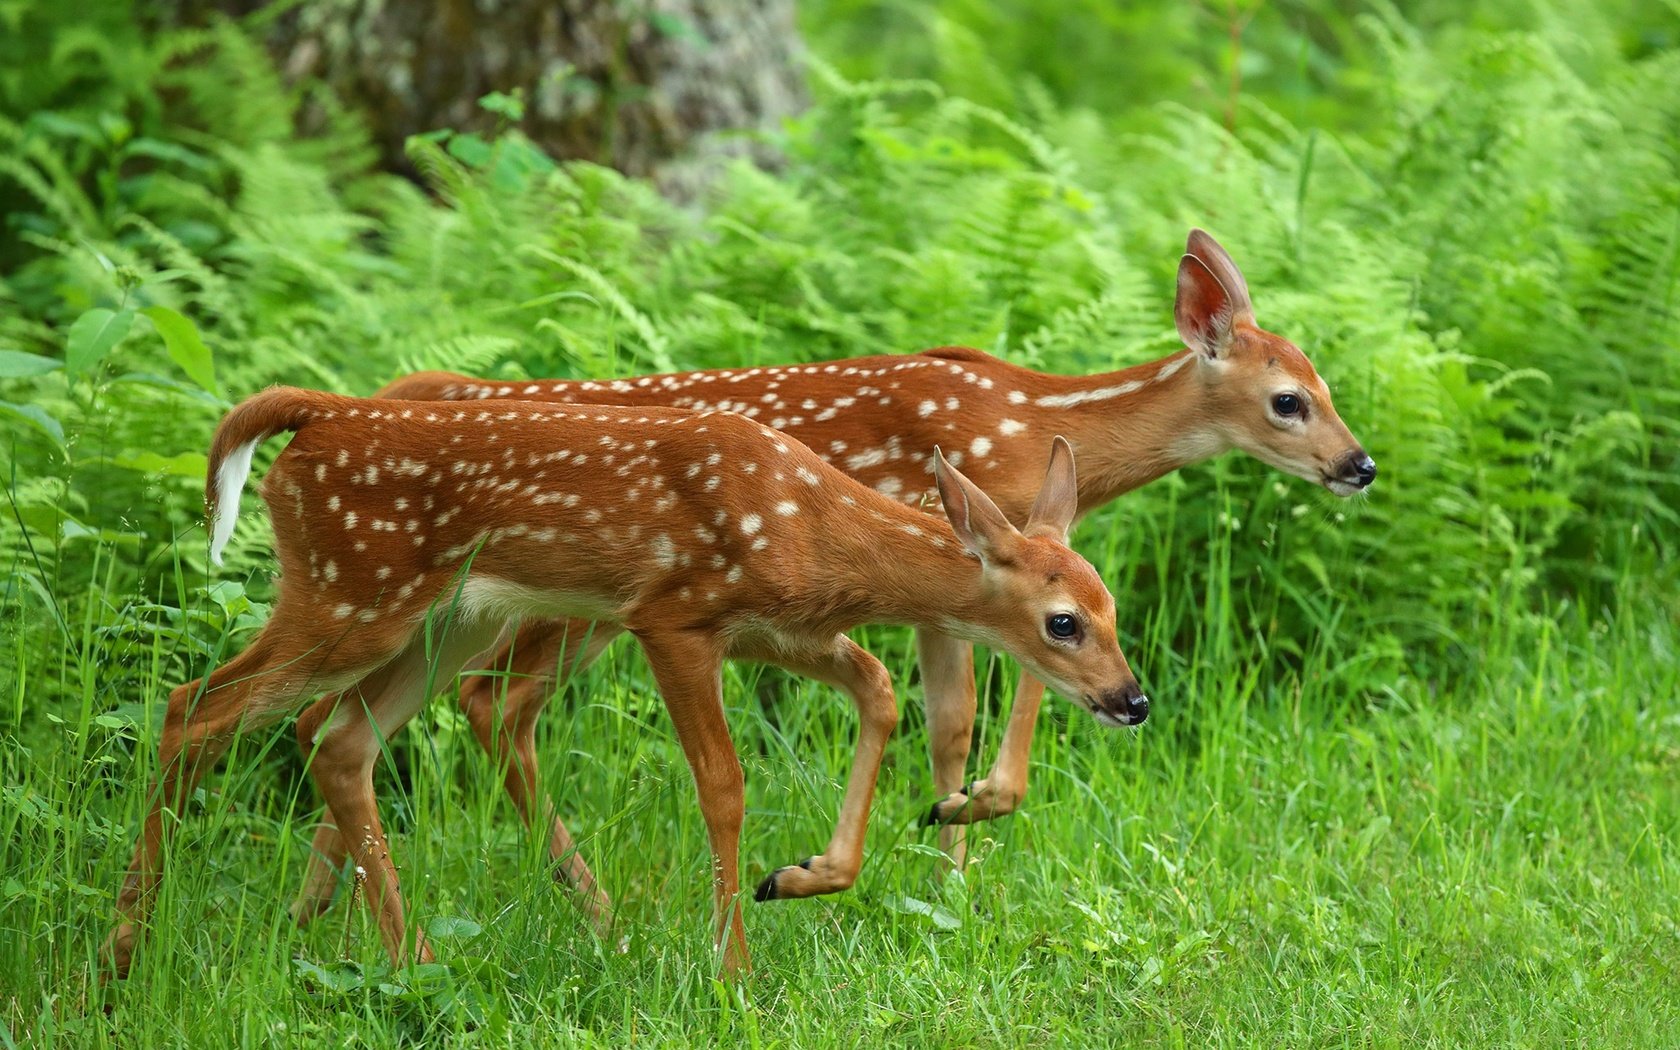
[(877, 418), (518, 508)]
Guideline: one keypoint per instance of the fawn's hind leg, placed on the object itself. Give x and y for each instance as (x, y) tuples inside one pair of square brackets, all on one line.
[(505, 727), (273, 676), (346, 742), (505, 723)]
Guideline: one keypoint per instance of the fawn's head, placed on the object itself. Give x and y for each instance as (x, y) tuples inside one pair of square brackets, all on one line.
[(1261, 391), (1043, 603)]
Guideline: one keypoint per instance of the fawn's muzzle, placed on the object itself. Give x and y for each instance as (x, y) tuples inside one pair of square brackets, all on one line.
[(1125, 706)]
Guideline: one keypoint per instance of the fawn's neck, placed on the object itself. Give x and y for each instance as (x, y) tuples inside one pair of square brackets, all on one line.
[(1132, 426), (896, 565)]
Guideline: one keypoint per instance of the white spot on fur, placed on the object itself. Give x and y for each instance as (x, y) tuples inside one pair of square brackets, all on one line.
[(1080, 397), (980, 447), (751, 524), (787, 508), (872, 458), (1171, 367), (1011, 427)]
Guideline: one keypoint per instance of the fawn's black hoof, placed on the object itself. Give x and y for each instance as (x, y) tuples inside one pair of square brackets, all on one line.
[(767, 889), (933, 818)]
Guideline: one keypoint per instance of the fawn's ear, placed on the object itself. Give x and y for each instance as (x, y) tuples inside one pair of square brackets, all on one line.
[(980, 527), (1058, 499), (1213, 255), (1204, 311)]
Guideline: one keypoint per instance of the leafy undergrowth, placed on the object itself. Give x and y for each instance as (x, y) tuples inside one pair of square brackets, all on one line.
[(1484, 866)]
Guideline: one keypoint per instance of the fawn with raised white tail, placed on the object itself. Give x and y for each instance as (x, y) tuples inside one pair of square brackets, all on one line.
[(878, 419), (409, 533)]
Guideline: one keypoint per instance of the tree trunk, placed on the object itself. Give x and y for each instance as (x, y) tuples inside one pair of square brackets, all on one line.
[(640, 85)]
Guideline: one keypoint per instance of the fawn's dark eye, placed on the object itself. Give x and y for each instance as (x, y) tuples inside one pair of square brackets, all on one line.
[(1061, 625), (1286, 405)]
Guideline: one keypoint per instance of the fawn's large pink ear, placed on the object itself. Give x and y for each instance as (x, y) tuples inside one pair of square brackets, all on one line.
[(980, 527), (1058, 499), (1204, 311), (1218, 260)]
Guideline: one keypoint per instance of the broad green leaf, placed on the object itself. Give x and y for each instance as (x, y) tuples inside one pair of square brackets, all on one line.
[(510, 106), (95, 334), (342, 977), (940, 916), (470, 150), (182, 464), (443, 927), (16, 363), (180, 338), (73, 530), (36, 418)]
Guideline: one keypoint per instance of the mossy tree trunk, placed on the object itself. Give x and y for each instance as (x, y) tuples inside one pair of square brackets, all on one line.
[(642, 85)]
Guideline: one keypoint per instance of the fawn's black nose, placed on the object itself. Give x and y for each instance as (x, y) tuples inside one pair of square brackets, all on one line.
[(1125, 706), (1366, 468), (1138, 708), (1357, 469)]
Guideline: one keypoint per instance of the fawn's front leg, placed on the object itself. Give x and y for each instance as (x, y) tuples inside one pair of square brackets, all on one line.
[(947, 666), (686, 664), (852, 670), (1001, 790)]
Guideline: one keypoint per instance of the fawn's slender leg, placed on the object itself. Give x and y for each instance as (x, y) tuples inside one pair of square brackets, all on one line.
[(506, 729), (686, 665), (851, 669), (540, 649), (1001, 790), (265, 682), (346, 744), (948, 692)]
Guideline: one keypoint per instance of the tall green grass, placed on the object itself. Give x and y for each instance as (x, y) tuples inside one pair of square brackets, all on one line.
[(1412, 769)]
